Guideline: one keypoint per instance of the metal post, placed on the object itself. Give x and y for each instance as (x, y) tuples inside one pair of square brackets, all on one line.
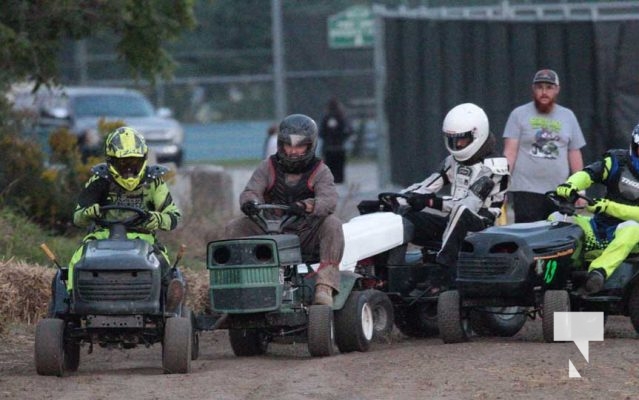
[(383, 150), (279, 73)]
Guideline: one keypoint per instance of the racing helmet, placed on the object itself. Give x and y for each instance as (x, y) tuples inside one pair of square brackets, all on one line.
[(465, 130), (634, 141), (296, 130), (126, 156)]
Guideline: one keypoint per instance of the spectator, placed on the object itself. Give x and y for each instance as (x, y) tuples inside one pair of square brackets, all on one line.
[(334, 131), (270, 144), (542, 142)]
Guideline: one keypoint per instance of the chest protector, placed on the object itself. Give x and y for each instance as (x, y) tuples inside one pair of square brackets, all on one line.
[(464, 177), (283, 192), (623, 182)]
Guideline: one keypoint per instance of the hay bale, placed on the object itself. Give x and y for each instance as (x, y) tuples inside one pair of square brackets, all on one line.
[(25, 291), (197, 293)]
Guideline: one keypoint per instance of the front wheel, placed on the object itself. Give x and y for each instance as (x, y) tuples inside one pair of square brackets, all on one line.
[(49, 347), (321, 331), (449, 318), (176, 347), (554, 301)]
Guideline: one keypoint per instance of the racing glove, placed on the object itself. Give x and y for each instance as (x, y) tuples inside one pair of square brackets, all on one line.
[(154, 221), (622, 211), (599, 206), (92, 211), (568, 191), (298, 208), (419, 201), (250, 208)]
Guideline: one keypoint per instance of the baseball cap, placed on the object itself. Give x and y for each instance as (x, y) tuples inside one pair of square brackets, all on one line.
[(546, 75)]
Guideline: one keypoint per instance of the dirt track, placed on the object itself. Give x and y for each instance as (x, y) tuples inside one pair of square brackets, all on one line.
[(522, 367)]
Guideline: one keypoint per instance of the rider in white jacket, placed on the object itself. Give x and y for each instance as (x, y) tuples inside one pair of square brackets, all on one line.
[(477, 178)]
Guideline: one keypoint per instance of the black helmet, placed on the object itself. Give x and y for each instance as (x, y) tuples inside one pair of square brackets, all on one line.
[(296, 130)]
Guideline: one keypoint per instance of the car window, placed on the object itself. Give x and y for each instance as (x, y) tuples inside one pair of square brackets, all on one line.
[(111, 105)]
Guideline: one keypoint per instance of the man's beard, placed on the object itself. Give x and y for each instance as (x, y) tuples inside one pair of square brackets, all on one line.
[(544, 108)]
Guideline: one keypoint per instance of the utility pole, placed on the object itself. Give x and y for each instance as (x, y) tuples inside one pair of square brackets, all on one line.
[(279, 73)]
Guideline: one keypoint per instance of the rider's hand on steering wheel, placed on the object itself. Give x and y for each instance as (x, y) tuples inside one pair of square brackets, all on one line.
[(568, 191), (419, 201), (92, 211), (297, 208), (250, 208)]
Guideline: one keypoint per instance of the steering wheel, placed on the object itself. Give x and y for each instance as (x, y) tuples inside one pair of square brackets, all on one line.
[(132, 217), (566, 207), (389, 200), (270, 220)]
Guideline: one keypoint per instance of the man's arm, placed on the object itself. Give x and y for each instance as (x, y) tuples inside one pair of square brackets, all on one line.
[(575, 160), (511, 147)]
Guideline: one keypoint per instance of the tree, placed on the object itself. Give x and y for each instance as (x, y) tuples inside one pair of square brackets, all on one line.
[(32, 32)]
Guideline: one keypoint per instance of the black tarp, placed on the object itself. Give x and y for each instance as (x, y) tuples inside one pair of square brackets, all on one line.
[(433, 65)]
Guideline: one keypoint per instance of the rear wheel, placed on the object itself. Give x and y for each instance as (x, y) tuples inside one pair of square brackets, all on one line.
[(49, 347), (383, 315), (449, 318), (176, 347), (554, 301), (633, 307), (248, 342), (418, 320), (321, 331), (354, 323), (497, 321)]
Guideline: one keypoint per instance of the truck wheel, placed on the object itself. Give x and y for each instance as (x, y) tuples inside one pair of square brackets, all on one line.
[(321, 331), (176, 346), (49, 347), (449, 318), (354, 323), (633, 307), (418, 320), (497, 321), (195, 335), (554, 301), (383, 315), (248, 342)]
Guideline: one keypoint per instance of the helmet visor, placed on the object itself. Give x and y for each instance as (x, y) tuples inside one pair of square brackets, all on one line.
[(458, 141), (128, 167)]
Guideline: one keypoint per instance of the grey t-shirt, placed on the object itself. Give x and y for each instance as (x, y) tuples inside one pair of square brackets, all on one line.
[(544, 141)]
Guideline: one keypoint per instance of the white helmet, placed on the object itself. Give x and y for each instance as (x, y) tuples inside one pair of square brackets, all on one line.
[(465, 121)]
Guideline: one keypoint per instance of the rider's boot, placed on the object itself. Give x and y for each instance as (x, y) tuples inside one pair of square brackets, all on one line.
[(595, 280), (323, 295), (174, 295)]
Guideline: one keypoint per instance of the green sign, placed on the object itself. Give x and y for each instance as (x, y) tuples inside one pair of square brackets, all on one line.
[(351, 28)]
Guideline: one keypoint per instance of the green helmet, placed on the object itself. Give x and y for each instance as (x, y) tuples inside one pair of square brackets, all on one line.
[(126, 153)]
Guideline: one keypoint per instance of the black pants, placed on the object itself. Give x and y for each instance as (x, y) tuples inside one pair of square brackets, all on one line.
[(530, 207), (335, 160)]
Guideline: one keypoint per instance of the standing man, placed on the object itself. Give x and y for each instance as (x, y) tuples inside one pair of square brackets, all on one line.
[(334, 130), (542, 142)]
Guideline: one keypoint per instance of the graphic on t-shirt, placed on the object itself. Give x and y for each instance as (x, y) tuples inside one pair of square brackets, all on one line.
[(546, 138)]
